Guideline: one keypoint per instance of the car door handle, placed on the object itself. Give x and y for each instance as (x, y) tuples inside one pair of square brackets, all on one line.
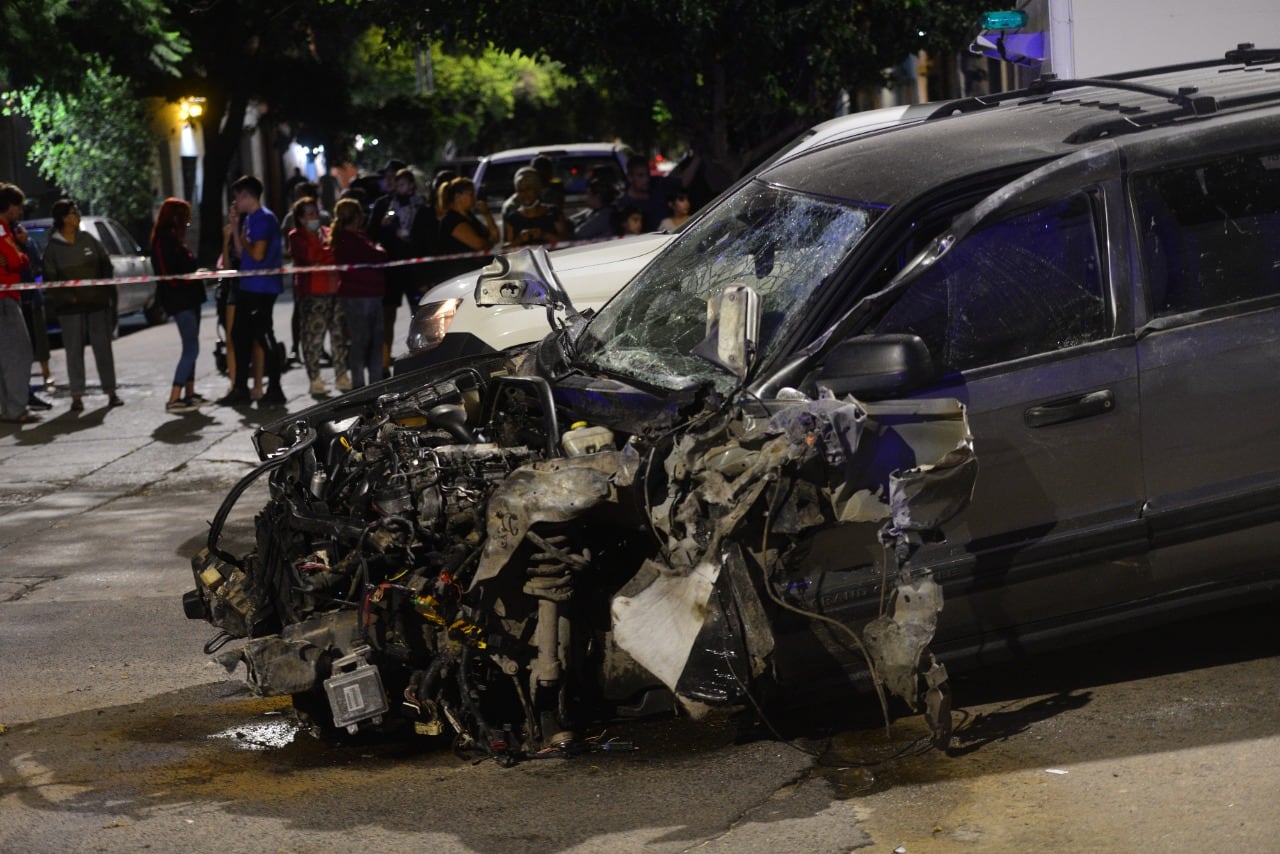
[(1070, 408)]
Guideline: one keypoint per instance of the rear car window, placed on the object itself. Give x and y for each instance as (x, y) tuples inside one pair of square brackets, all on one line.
[(573, 172), (125, 239), (1210, 233), (103, 233), (1030, 284)]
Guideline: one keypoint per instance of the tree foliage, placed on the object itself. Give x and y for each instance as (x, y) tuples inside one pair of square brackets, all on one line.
[(416, 100), (53, 42), (736, 77), (95, 142)]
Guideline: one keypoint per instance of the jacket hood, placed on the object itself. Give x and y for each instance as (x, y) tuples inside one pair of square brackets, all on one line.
[(58, 236)]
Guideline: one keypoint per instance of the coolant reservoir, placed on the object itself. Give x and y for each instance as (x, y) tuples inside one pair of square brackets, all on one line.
[(581, 439)]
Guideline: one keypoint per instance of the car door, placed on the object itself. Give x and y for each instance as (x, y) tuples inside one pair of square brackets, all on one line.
[(1027, 318), (1209, 232), (134, 296)]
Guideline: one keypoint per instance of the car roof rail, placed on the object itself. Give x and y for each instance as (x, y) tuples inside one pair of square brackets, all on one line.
[(1185, 97), (1247, 53)]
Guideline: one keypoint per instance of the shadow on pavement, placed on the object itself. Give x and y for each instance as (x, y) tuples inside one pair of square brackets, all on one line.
[(182, 429)]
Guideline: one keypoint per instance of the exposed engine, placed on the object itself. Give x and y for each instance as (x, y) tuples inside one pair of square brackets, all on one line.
[(510, 582)]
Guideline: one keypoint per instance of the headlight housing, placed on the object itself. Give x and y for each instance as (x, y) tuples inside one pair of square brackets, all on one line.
[(430, 323)]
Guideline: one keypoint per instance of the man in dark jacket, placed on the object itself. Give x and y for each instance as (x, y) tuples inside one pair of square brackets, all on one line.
[(404, 223)]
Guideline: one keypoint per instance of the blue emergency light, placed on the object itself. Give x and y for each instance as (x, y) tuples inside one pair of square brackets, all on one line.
[(1008, 20)]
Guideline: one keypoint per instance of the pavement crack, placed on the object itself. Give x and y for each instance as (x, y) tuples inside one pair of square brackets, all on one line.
[(13, 589), (784, 789)]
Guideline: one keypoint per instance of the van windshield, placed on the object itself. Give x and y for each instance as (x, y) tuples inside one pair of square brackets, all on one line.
[(782, 243)]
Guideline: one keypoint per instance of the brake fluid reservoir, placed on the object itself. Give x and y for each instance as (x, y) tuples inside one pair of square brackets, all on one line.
[(581, 439)]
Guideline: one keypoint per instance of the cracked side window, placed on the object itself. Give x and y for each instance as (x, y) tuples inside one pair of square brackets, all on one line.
[(1210, 233), (1030, 284)]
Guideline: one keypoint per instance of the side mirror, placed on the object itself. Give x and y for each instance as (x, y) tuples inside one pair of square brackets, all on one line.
[(733, 329), (876, 366), (519, 278), (526, 278)]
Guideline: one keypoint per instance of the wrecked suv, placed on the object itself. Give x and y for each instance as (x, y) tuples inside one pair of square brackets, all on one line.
[(945, 393)]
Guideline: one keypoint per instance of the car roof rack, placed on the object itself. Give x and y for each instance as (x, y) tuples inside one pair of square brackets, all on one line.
[(1132, 117), (1050, 83), (1248, 54)]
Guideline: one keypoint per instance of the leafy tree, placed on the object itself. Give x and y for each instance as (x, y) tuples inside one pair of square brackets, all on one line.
[(95, 142), (52, 42), (69, 68), (468, 98), (736, 77)]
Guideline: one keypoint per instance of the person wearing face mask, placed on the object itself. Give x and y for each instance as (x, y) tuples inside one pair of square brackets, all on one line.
[(181, 299), (300, 190), (404, 223), (533, 221), (319, 309)]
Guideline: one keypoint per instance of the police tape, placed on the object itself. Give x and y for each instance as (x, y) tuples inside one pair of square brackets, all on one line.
[(284, 271)]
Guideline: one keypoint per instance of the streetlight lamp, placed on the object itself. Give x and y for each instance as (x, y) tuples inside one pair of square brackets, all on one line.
[(190, 108)]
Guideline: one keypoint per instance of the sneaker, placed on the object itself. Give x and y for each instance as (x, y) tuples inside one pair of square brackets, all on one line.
[(196, 399), (179, 407), (235, 397), (343, 382), (273, 397), (114, 400), (318, 387), (34, 401)]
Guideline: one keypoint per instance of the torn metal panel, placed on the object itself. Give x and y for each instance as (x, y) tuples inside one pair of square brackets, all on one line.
[(896, 642), (717, 478), (554, 490)]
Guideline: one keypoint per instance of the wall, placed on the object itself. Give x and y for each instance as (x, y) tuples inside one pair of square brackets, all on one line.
[(1092, 37)]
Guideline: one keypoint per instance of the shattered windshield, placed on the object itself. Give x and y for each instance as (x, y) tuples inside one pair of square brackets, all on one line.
[(782, 243)]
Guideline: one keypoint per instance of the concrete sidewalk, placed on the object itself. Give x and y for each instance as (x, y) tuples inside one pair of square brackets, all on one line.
[(101, 511), (140, 446)]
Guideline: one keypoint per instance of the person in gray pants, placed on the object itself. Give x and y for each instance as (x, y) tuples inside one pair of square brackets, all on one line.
[(84, 312), (15, 346)]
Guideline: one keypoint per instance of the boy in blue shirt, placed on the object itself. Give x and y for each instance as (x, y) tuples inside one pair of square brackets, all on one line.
[(255, 234)]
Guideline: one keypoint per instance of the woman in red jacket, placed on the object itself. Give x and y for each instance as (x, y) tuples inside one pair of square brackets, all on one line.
[(15, 346), (360, 291), (320, 310)]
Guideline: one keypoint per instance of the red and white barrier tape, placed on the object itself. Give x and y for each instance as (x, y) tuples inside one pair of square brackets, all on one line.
[(279, 271)]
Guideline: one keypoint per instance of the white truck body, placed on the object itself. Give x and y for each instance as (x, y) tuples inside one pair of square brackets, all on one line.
[(1088, 38)]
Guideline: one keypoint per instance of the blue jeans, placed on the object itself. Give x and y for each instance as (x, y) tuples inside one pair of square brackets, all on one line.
[(188, 321), (364, 321)]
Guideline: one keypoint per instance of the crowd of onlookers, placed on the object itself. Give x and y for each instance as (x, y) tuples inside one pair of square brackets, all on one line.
[(344, 318)]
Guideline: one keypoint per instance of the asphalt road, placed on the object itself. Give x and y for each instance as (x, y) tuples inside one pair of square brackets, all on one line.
[(119, 734)]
